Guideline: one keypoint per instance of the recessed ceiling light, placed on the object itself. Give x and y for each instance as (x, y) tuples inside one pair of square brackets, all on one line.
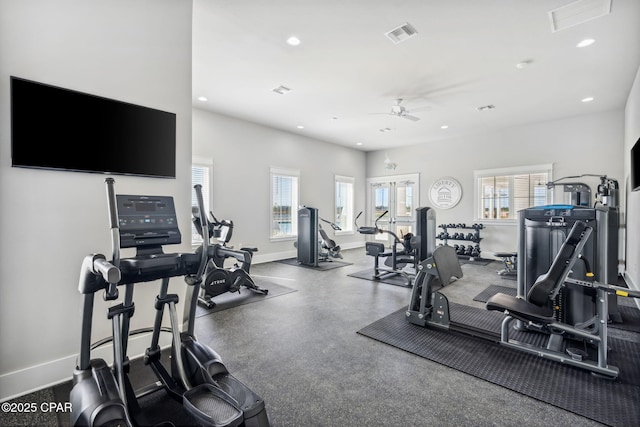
[(202, 98), (444, 127), (358, 143), (587, 99), (523, 64), (300, 127), (585, 43), (293, 41)]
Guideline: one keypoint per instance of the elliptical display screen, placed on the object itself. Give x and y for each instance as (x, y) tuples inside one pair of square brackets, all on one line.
[(147, 221)]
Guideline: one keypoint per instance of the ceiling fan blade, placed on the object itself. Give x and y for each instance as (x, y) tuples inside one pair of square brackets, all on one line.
[(410, 117)]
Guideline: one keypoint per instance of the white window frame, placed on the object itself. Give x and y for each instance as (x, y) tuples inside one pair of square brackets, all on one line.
[(347, 227), (292, 173), (508, 171), (205, 164)]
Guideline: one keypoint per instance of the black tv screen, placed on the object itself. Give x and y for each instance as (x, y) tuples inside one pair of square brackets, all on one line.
[(635, 167), (56, 128)]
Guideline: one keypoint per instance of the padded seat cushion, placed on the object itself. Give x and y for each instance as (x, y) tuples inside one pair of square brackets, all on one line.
[(520, 308), (505, 254)]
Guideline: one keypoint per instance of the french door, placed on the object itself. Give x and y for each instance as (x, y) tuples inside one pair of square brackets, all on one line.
[(398, 196)]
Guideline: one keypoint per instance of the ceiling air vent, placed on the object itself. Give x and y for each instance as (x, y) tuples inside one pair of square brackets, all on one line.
[(486, 107), (402, 33), (578, 12), (282, 90)]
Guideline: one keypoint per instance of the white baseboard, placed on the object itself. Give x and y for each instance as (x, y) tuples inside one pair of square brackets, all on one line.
[(632, 285), (34, 378)]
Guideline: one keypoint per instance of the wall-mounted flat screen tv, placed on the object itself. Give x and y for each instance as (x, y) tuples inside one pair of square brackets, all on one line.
[(56, 128), (635, 167)]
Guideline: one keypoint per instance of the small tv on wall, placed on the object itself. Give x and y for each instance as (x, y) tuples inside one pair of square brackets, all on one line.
[(62, 129), (635, 167)]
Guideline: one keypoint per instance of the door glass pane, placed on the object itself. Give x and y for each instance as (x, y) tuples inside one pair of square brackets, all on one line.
[(381, 201), (404, 200)]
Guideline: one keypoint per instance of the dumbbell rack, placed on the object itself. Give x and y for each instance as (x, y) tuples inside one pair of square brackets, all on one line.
[(465, 252)]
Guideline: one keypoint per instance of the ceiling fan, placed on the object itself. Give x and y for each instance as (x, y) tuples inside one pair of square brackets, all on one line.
[(399, 110)]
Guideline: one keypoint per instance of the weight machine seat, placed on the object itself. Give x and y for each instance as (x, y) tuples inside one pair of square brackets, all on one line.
[(538, 306), (520, 308), (376, 249), (505, 254)]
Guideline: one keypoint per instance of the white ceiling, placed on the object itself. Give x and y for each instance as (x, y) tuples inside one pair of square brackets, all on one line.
[(463, 57)]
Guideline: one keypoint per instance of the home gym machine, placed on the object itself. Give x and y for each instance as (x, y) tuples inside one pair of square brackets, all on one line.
[(414, 248), (219, 279), (542, 309), (543, 229), (103, 395), (313, 243), (437, 267)]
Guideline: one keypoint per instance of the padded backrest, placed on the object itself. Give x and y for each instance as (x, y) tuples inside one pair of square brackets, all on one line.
[(544, 286), (447, 264), (328, 243), (374, 248)]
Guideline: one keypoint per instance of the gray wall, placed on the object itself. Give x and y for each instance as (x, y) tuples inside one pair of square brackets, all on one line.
[(584, 144), (631, 135), (242, 155), (135, 51)]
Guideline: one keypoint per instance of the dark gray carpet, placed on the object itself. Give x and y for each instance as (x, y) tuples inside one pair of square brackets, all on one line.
[(246, 296), (322, 265), (391, 279), (613, 403)]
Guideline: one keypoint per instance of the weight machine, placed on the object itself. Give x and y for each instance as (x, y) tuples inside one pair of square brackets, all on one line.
[(313, 243), (413, 248)]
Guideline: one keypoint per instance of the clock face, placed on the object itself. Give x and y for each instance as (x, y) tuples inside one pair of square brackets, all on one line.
[(445, 193)]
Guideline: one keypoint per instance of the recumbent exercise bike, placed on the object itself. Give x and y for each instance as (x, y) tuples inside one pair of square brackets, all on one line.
[(218, 279)]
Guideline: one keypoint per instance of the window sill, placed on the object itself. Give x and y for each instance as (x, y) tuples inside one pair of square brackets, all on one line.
[(283, 239)]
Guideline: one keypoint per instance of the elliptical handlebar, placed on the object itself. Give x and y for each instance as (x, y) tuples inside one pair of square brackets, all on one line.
[(112, 206), (205, 226), (375, 229)]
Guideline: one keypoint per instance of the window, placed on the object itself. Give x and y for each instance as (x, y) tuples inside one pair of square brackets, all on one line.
[(201, 173), (284, 203), (344, 203), (501, 193)]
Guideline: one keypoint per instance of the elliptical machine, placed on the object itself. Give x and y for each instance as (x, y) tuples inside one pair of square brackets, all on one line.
[(104, 395), (218, 279)]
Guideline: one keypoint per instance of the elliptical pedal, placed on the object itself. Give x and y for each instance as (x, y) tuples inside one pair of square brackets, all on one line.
[(212, 407)]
